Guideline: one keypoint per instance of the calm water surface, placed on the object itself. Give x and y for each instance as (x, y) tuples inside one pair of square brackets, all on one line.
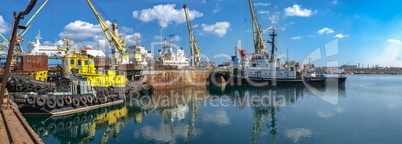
[(366, 110)]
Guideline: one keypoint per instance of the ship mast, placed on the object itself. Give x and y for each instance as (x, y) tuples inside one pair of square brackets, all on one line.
[(194, 49), (116, 41), (273, 34), (259, 42)]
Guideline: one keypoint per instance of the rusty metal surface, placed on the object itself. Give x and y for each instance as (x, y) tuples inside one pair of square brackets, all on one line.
[(102, 61), (35, 62), (175, 78)]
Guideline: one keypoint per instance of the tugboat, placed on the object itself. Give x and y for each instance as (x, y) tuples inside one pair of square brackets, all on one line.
[(79, 86), (266, 70)]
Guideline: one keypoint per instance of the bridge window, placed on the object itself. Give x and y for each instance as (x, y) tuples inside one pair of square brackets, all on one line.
[(72, 62), (254, 65), (85, 62), (79, 62)]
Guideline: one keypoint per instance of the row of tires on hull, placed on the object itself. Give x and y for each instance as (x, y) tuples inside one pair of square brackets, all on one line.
[(52, 102), (26, 85), (60, 126)]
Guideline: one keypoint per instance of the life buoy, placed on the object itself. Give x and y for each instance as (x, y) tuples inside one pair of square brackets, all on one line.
[(96, 100), (83, 100), (31, 99), (51, 102), (68, 100), (60, 102), (90, 99), (12, 82), (76, 102), (40, 101)]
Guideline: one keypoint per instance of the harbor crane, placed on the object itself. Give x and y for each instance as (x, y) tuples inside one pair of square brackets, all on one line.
[(21, 32), (116, 41), (259, 42), (194, 49)]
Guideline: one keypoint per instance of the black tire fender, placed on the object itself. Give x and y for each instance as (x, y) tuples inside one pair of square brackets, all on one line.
[(60, 102), (76, 102), (51, 102), (12, 81), (90, 99), (31, 99), (40, 101), (68, 100), (83, 100)]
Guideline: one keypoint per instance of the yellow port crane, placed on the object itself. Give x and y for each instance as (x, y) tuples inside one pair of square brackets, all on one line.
[(116, 41), (259, 42), (194, 49), (21, 33)]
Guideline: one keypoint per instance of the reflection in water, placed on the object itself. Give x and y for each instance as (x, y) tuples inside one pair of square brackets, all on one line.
[(81, 127), (171, 115)]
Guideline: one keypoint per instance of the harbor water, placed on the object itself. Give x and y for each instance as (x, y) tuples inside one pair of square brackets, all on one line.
[(365, 110)]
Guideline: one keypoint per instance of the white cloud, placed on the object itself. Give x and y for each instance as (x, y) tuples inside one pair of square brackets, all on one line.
[(262, 4), (394, 41), (219, 28), (298, 133), (263, 12), (164, 14), (47, 43), (195, 26), (80, 30), (217, 8), (296, 10), (204, 1), (296, 38), (218, 117), (157, 37), (274, 18), (340, 36), (3, 26), (334, 1), (131, 39), (325, 31)]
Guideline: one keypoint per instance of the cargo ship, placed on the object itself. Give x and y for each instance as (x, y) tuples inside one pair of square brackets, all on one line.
[(171, 68)]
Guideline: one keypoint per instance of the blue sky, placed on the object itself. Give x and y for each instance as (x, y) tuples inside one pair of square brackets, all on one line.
[(368, 32)]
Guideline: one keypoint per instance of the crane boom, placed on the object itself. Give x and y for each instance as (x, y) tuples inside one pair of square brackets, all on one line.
[(116, 41), (194, 49), (23, 31), (259, 42)]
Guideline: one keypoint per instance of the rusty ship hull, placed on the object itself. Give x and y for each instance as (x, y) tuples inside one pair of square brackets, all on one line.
[(171, 78)]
